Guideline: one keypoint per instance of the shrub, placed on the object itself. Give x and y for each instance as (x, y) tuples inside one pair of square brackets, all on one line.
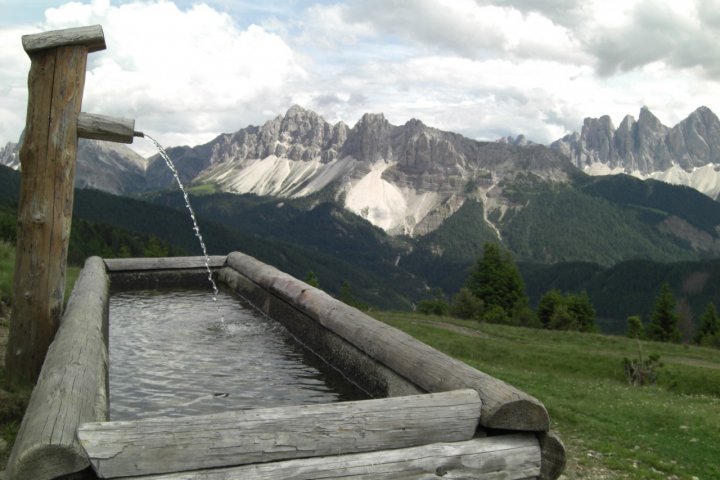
[(466, 305), (635, 328), (433, 307), (496, 314), (642, 371)]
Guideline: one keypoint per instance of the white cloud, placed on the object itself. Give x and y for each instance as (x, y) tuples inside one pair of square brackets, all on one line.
[(14, 66), (183, 74), (484, 68)]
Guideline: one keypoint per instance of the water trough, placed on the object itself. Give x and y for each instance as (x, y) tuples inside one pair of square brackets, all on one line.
[(430, 417)]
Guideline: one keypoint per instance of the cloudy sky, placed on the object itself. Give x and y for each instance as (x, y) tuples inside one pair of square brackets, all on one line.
[(187, 71)]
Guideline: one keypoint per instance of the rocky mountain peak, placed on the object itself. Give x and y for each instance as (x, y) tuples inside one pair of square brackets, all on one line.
[(9, 155), (647, 121), (369, 140), (646, 145)]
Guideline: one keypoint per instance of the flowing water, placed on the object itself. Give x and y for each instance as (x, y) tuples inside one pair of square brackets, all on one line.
[(169, 356), (196, 227)]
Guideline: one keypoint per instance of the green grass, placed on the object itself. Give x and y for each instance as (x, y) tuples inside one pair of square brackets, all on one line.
[(203, 189), (653, 432), (7, 265), (13, 399)]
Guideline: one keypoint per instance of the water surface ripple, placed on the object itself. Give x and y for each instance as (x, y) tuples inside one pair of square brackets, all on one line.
[(171, 355)]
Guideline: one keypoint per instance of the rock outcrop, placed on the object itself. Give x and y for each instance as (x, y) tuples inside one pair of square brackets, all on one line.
[(646, 145)]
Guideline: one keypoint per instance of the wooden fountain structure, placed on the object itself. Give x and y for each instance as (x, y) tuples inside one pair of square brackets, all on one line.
[(430, 417)]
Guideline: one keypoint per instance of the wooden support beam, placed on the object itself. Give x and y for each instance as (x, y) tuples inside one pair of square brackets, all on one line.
[(503, 406), (90, 37), (72, 388), (102, 127), (47, 157), (116, 265), (159, 445), (505, 457)]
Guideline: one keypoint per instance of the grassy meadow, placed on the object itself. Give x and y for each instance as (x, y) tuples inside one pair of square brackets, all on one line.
[(611, 430), (670, 430)]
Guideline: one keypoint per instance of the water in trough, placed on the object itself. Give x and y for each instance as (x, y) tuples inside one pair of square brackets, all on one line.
[(171, 356)]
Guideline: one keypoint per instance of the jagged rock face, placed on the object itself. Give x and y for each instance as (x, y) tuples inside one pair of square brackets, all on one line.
[(111, 167), (645, 145), (9, 155), (397, 177), (696, 140), (519, 141), (106, 166), (370, 139)]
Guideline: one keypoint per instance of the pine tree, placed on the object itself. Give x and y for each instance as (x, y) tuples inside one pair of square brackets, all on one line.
[(312, 279), (709, 324), (496, 280), (582, 311), (548, 302), (663, 325)]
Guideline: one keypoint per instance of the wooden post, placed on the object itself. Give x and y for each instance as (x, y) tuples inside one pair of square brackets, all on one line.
[(47, 155)]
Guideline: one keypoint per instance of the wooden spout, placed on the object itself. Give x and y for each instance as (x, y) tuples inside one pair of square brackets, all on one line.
[(102, 127)]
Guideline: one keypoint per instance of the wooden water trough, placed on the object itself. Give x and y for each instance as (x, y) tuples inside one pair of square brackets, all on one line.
[(430, 417)]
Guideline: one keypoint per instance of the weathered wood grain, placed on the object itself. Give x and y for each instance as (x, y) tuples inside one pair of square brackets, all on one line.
[(506, 457), (553, 456), (47, 156), (72, 388), (91, 37), (142, 447), (102, 127), (503, 406), (163, 263)]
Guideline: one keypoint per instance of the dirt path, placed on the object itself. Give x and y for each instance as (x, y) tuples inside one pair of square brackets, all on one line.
[(452, 328)]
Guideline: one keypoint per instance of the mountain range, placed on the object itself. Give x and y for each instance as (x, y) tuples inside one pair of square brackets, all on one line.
[(686, 154), (426, 186)]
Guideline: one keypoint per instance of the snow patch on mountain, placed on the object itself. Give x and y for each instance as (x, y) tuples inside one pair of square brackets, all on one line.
[(395, 209), (277, 176), (705, 179)]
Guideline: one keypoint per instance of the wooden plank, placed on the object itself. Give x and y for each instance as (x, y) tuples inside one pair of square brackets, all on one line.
[(506, 457), (142, 447), (91, 37), (161, 263), (72, 388), (503, 406), (102, 127), (47, 156)]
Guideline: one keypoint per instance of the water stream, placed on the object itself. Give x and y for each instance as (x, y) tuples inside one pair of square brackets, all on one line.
[(196, 227)]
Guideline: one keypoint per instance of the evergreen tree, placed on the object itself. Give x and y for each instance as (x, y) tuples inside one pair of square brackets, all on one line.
[(566, 312), (496, 280), (312, 279), (663, 324), (709, 324), (547, 305), (582, 311)]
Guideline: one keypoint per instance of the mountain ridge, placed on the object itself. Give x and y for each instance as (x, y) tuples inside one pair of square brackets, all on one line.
[(685, 154)]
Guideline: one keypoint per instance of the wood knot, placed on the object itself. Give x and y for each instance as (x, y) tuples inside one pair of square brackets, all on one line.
[(441, 471)]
